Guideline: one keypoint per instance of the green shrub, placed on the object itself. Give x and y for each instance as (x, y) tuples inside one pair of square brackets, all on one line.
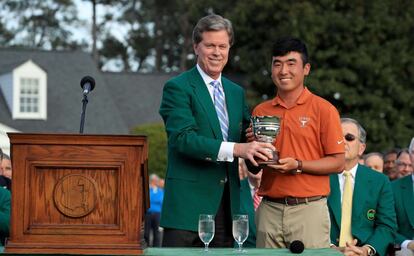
[(157, 143)]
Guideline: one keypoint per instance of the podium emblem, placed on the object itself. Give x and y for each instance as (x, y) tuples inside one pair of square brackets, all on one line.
[(75, 195)]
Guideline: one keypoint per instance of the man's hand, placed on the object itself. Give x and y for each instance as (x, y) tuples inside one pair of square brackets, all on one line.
[(285, 165), (249, 134), (340, 249), (253, 150), (351, 249), (255, 179)]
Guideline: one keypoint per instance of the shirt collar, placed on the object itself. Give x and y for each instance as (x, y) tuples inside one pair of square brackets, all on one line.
[(206, 78), (303, 97), (353, 171)]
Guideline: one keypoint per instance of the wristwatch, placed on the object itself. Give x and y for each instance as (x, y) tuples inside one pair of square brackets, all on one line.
[(299, 169), (370, 252)]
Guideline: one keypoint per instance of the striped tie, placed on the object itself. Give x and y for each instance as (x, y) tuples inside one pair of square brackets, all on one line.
[(219, 103), (256, 199)]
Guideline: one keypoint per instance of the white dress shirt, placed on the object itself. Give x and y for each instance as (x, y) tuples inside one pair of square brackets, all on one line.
[(226, 148)]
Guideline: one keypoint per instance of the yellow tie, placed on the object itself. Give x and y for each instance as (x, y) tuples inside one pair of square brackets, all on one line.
[(346, 235)]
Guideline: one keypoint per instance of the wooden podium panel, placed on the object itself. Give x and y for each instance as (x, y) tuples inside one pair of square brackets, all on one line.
[(78, 194)]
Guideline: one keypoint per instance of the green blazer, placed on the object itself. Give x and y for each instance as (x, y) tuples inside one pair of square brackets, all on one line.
[(194, 179), (373, 217), (4, 214), (404, 207)]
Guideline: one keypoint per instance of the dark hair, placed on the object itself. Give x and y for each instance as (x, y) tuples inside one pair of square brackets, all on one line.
[(285, 45), (1, 154), (392, 151), (212, 22), (404, 150)]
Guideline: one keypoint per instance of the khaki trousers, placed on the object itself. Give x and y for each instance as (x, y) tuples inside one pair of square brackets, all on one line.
[(278, 224)]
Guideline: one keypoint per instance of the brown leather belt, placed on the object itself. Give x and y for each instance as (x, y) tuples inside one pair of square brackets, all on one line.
[(293, 200)]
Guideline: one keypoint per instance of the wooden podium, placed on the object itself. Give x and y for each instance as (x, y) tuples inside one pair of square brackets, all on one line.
[(78, 194)]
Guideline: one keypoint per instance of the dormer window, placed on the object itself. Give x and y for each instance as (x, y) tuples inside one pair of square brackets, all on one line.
[(29, 95), (29, 99)]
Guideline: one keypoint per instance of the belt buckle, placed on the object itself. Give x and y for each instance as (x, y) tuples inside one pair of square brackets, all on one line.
[(295, 199), (289, 197)]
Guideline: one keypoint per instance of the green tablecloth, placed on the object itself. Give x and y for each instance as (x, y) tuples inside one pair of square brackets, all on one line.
[(228, 251), (221, 251)]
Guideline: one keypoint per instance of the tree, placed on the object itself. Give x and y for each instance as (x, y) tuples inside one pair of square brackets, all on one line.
[(157, 142), (5, 34), (360, 54), (42, 23), (113, 49), (162, 30), (95, 29)]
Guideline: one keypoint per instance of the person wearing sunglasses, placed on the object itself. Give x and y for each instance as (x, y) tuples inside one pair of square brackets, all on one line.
[(403, 189), (361, 202)]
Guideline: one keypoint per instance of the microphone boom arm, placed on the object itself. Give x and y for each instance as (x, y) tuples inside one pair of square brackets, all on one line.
[(83, 113)]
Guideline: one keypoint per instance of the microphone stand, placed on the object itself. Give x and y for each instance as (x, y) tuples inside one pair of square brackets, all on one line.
[(84, 103)]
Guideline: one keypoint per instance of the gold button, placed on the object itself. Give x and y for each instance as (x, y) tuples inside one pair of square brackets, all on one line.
[(223, 180)]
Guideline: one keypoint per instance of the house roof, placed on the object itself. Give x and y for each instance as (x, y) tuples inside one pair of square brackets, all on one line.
[(118, 102), (138, 96)]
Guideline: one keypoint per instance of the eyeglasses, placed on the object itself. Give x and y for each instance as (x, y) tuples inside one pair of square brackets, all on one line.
[(349, 137), (403, 165)]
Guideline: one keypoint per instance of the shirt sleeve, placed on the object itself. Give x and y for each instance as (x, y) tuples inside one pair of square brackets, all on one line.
[(226, 152)]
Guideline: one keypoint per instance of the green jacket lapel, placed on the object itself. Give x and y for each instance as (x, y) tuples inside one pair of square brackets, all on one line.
[(202, 94), (334, 198), (232, 108), (408, 198), (360, 193)]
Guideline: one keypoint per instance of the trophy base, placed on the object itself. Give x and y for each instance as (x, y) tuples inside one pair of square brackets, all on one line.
[(273, 161)]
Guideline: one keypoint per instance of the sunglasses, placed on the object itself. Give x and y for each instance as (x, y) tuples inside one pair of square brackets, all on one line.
[(349, 137)]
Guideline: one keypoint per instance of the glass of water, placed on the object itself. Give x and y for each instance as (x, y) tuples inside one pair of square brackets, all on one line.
[(206, 229), (240, 230)]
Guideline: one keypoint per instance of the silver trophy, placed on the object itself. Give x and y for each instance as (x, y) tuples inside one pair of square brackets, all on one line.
[(265, 129)]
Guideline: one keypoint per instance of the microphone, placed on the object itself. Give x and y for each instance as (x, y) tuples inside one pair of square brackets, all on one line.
[(87, 84), (296, 247)]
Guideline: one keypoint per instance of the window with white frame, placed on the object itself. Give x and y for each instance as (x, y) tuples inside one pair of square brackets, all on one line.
[(29, 95)]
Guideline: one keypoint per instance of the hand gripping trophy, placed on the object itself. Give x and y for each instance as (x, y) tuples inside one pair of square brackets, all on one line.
[(265, 129)]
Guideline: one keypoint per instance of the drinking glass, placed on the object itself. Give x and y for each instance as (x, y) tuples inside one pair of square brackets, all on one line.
[(240, 230), (206, 229)]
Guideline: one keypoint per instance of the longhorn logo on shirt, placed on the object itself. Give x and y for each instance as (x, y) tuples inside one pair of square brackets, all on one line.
[(303, 120)]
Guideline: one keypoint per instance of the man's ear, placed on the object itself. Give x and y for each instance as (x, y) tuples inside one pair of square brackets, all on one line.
[(362, 147), (195, 48), (306, 69)]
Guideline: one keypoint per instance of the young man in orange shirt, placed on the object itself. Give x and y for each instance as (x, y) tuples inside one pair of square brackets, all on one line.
[(310, 146)]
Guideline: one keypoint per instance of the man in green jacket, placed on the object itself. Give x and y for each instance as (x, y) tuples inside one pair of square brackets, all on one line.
[(372, 222), (4, 210), (205, 117), (404, 206)]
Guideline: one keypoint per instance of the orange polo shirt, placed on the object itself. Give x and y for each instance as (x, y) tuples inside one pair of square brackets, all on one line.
[(310, 130)]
